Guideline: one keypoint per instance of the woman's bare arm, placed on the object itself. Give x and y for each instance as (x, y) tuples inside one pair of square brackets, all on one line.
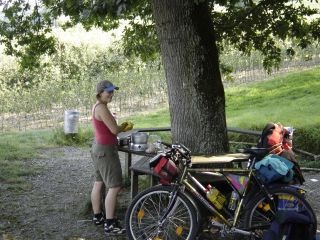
[(102, 113)]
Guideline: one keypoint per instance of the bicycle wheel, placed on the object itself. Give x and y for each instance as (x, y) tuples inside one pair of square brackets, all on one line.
[(261, 211), (146, 210)]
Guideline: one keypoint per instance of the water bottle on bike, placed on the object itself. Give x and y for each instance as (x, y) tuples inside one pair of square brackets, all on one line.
[(215, 196), (233, 201)]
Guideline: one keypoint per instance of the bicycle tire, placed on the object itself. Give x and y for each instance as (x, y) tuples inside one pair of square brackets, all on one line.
[(258, 219), (146, 209)]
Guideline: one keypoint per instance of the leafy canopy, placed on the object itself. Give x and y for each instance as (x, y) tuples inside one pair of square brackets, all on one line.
[(245, 24)]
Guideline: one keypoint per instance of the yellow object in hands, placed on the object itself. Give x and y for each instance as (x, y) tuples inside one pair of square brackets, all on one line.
[(128, 127), (123, 126)]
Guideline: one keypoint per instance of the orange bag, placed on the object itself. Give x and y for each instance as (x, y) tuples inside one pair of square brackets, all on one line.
[(272, 138)]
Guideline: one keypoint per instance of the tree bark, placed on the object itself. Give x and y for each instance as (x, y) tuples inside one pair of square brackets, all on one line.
[(191, 62)]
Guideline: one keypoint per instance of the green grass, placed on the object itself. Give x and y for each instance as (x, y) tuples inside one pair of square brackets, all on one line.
[(82, 138), (16, 151), (292, 99), (155, 119)]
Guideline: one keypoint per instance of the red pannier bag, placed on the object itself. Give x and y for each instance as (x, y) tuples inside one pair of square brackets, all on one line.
[(166, 170)]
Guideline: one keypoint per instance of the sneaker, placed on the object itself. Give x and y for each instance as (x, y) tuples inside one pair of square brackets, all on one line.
[(98, 219), (114, 228)]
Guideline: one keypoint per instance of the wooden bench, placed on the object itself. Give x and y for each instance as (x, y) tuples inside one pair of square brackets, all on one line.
[(141, 167), (223, 158)]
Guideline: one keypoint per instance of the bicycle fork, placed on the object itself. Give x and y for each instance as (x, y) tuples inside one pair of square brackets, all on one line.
[(172, 203)]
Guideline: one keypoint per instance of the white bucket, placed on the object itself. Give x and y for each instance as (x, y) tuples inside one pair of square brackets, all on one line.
[(71, 121)]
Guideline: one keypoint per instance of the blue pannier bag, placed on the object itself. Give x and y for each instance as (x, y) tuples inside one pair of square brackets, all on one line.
[(290, 225), (274, 168)]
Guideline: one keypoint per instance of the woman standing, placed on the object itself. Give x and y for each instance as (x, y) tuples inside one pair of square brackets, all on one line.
[(106, 159)]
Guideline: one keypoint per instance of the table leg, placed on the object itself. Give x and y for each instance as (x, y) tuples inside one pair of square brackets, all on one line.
[(134, 184), (153, 180), (128, 162)]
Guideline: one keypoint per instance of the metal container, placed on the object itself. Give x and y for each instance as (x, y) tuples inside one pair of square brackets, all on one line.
[(71, 121), (124, 141), (138, 147), (139, 138)]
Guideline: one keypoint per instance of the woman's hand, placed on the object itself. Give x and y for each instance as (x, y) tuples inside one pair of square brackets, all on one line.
[(126, 126)]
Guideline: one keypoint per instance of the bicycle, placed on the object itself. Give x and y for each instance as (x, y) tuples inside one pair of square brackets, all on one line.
[(177, 208)]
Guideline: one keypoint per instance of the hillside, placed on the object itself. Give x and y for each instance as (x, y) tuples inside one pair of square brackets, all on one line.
[(292, 99)]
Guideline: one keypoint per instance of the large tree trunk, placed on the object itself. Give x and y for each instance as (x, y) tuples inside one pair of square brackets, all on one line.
[(190, 57)]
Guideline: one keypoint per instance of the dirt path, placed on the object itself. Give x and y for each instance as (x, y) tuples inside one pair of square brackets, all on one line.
[(57, 205)]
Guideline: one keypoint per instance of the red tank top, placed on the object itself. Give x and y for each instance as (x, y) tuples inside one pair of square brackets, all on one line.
[(103, 134)]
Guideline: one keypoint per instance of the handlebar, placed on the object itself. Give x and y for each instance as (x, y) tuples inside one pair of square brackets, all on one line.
[(175, 146), (183, 150)]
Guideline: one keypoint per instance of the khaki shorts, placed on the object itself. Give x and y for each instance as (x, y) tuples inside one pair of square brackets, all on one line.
[(107, 164)]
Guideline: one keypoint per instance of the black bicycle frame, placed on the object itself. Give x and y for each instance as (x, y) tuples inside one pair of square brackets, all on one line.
[(221, 172)]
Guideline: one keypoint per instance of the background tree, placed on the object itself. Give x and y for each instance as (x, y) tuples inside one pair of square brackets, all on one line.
[(191, 35)]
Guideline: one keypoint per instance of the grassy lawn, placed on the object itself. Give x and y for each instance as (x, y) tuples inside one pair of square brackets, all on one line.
[(15, 151), (292, 99), (159, 118)]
